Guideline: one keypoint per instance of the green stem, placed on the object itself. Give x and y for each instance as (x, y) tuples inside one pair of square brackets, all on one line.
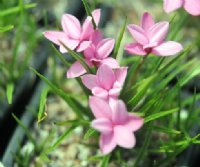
[(134, 76)]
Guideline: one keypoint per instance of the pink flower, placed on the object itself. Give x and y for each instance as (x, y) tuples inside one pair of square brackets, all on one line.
[(95, 55), (107, 83), (114, 123), (150, 37), (191, 6), (73, 35)]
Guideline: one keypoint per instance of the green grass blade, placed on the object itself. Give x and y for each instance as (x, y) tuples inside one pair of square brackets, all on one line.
[(191, 73), (142, 89), (61, 138), (17, 39), (42, 114), (9, 92), (44, 158), (26, 130), (90, 132), (61, 57), (105, 161), (17, 9), (119, 39), (159, 115), (62, 94), (6, 28), (77, 57), (75, 122), (166, 130), (191, 109)]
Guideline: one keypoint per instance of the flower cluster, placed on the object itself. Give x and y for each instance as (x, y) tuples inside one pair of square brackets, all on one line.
[(112, 120), (150, 37)]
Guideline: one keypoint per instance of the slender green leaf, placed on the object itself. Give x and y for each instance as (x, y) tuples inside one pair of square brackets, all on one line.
[(105, 161), (74, 122), (6, 28), (159, 115), (42, 114), (191, 73), (95, 158), (191, 109), (166, 130), (130, 72), (61, 57), (142, 89), (77, 57), (26, 130), (62, 94), (61, 138), (44, 158), (14, 10), (90, 132), (9, 92), (119, 39)]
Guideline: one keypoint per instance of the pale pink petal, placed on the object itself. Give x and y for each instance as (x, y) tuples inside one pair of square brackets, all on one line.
[(106, 77), (120, 74), (87, 29), (114, 92), (62, 49), (150, 45), (171, 5), (107, 143), (83, 46), (96, 37), (111, 62), (96, 15), (192, 7), (100, 108), (59, 37), (124, 137), (55, 36), (147, 21), (112, 103), (135, 48), (167, 49), (71, 26), (117, 85), (89, 53), (89, 63), (75, 70), (120, 114), (105, 47), (70, 43), (90, 81), (138, 34), (102, 125), (158, 32), (134, 122), (100, 92)]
